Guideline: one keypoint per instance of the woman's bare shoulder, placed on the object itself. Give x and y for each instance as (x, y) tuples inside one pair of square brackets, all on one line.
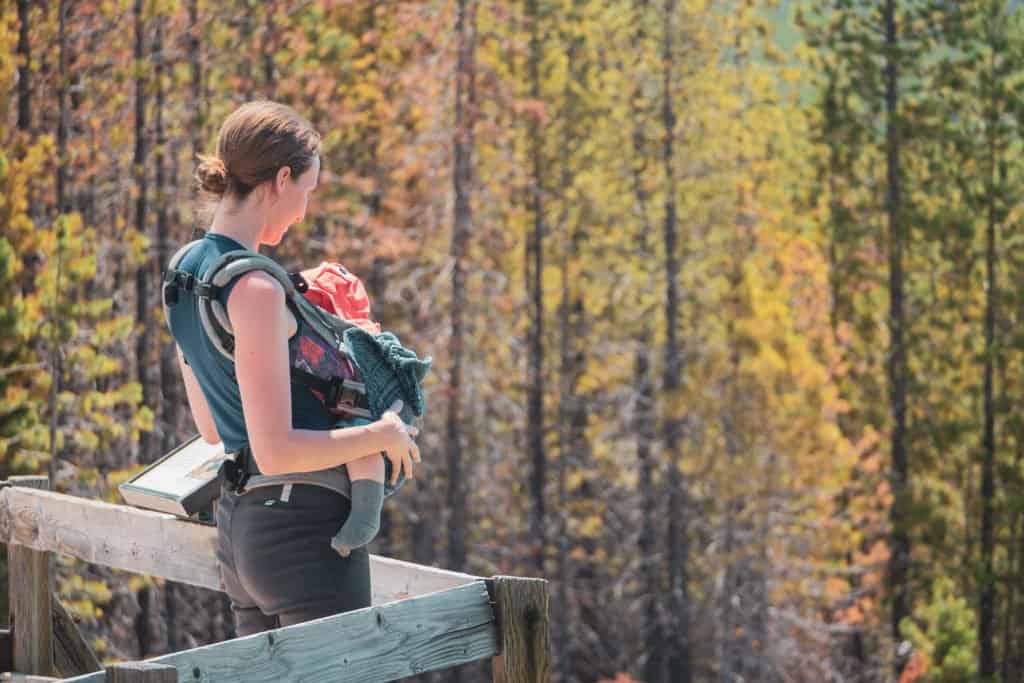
[(255, 289)]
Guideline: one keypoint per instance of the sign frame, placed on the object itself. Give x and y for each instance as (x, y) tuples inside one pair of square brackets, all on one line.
[(185, 482)]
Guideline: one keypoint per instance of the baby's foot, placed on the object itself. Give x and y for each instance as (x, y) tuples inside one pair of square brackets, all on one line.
[(364, 518)]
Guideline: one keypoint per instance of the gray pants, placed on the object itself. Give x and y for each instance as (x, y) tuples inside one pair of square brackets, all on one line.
[(276, 560)]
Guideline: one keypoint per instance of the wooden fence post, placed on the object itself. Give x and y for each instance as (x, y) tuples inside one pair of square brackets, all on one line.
[(30, 590), (141, 672), (521, 611), (72, 655)]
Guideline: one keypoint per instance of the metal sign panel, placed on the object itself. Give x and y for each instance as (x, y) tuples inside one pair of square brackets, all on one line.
[(184, 482)]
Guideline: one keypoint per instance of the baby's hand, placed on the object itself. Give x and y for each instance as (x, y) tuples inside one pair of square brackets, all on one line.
[(401, 450)]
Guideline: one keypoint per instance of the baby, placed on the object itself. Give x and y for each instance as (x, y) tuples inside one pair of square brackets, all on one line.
[(367, 499), (336, 290)]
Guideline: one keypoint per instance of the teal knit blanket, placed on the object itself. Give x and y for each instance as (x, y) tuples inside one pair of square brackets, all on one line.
[(390, 371)]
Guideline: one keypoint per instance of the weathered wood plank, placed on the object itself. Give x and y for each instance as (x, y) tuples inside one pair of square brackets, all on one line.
[(30, 591), (521, 610), (146, 542), (396, 579), (163, 545), (383, 643), (142, 672), (71, 654)]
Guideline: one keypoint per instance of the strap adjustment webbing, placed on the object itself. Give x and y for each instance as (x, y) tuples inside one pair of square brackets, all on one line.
[(175, 279)]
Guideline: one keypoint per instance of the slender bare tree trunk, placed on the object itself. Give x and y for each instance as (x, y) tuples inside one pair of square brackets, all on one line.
[(269, 43), (562, 603), (567, 398), (652, 637), (987, 598), (24, 69), (56, 356), (534, 285), (465, 114), (897, 364), (142, 275), (677, 543), (169, 399), (63, 203), (142, 281)]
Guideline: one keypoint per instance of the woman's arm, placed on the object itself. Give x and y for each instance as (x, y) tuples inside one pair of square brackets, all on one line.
[(197, 402), (258, 317)]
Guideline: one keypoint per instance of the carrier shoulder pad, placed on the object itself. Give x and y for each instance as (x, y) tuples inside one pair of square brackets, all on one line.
[(212, 313), (171, 265), (236, 263)]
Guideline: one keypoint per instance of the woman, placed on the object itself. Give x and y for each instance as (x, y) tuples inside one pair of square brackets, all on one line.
[(273, 549)]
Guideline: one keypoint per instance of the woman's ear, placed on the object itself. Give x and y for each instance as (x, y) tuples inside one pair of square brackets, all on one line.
[(283, 174)]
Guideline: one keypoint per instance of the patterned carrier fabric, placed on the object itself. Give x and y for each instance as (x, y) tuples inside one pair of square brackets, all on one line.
[(309, 352)]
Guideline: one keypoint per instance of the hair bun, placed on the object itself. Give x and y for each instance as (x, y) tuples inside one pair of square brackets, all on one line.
[(213, 175)]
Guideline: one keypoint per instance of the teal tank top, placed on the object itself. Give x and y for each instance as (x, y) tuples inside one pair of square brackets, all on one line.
[(214, 372)]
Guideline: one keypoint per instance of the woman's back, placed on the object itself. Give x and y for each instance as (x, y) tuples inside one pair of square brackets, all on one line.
[(215, 373)]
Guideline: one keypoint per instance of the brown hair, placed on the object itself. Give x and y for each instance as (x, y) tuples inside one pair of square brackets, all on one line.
[(254, 142)]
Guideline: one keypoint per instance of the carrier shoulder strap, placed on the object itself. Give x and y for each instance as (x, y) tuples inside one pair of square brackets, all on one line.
[(172, 280), (214, 317), (221, 273), (233, 265)]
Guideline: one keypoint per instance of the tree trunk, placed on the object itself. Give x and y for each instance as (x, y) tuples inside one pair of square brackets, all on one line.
[(170, 400), (534, 285), (465, 113), (143, 341), (987, 597), (24, 69), (897, 365), (571, 424), (56, 360), (142, 274), (651, 590), (62, 109), (267, 50), (198, 101), (677, 600), (562, 603)]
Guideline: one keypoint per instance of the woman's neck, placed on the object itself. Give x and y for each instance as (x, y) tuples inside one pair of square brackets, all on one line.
[(243, 226)]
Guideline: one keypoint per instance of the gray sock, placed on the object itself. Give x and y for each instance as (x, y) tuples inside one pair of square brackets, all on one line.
[(364, 518)]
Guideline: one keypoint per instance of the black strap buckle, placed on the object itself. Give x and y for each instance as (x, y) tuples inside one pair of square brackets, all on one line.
[(180, 279), (346, 392), (300, 282), (170, 292), (235, 472)]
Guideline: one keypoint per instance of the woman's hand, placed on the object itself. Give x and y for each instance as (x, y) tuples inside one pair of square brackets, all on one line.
[(401, 450)]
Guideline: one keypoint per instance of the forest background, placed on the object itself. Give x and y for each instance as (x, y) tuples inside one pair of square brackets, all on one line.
[(724, 300)]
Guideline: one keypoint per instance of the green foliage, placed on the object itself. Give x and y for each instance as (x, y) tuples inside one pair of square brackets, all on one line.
[(945, 629)]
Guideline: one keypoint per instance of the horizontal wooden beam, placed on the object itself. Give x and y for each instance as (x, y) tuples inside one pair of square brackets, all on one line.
[(396, 579), (118, 536), (382, 643), (141, 672), (160, 544)]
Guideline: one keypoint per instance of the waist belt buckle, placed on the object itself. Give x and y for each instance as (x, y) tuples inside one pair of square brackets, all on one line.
[(235, 472)]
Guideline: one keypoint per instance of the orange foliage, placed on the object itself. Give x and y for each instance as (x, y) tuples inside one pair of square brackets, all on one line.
[(916, 668)]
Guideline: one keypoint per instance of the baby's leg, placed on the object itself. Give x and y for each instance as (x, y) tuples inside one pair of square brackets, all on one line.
[(367, 477), (368, 467)]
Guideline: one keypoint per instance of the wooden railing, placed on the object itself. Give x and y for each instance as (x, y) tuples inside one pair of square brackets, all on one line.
[(422, 618)]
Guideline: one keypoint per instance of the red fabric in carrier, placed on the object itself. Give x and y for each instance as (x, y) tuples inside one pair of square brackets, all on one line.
[(340, 293)]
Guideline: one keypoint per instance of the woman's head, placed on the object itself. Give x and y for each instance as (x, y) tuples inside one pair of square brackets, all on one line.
[(268, 157)]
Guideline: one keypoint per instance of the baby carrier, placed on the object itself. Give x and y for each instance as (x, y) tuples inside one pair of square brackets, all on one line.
[(317, 353)]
